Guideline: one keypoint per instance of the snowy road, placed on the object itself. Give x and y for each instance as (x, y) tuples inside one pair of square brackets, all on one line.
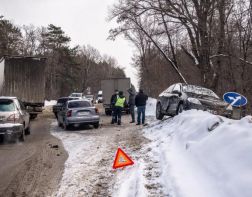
[(194, 154)]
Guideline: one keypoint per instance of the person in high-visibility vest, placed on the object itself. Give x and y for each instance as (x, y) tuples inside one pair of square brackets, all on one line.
[(119, 105)]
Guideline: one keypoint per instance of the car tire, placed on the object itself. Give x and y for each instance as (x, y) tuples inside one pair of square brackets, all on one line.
[(65, 126), (159, 114), (180, 109), (33, 116), (28, 130), (96, 125), (22, 137)]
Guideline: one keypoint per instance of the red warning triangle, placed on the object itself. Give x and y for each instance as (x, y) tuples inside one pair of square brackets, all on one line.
[(122, 159)]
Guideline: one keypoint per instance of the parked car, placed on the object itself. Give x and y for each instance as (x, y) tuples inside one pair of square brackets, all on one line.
[(179, 97), (77, 95), (78, 112), (60, 102), (14, 119), (90, 98), (99, 98)]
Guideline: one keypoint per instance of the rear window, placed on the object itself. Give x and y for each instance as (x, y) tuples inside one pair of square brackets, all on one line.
[(7, 105), (78, 104)]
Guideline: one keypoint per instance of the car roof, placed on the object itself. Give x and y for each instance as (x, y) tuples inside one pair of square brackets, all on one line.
[(8, 97), (70, 101)]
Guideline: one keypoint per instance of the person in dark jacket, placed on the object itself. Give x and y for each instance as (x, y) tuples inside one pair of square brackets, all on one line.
[(112, 104), (131, 104), (140, 102), (119, 105)]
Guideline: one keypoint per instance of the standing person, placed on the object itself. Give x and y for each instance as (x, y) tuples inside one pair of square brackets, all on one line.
[(119, 105), (132, 104), (112, 104), (140, 102)]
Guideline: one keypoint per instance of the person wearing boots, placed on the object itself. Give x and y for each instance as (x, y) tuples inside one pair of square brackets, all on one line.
[(140, 102), (131, 104), (112, 104), (119, 105)]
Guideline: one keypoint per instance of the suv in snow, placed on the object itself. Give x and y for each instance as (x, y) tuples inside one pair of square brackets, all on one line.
[(14, 119), (179, 97)]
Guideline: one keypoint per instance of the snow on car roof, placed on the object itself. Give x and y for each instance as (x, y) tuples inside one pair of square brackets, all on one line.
[(198, 90)]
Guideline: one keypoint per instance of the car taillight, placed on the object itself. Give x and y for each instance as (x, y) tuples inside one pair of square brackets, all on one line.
[(96, 111), (69, 113), (13, 117)]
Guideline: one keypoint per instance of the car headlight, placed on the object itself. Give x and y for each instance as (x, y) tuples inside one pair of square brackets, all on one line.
[(194, 101)]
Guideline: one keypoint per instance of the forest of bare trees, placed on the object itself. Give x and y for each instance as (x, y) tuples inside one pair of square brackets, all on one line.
[(68, 68), (204, 42)]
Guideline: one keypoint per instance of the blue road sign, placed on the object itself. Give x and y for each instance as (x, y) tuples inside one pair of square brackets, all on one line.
[(235, 99)]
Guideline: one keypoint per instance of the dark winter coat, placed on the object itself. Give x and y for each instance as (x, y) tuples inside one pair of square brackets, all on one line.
[(141, 99), (131, 97), (113, 99)]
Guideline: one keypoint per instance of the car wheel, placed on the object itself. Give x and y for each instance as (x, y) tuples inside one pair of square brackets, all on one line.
[(22, 137), (159, 114), (96, 125), (28, 130), (180, 108), (65, 126)]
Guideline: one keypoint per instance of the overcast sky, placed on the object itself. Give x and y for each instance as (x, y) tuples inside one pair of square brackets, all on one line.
[(83, 20)]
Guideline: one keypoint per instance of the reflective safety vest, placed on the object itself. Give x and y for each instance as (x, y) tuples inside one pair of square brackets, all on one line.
[(120, 102)]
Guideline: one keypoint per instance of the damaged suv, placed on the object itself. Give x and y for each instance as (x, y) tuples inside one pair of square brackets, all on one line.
[(179, 97)]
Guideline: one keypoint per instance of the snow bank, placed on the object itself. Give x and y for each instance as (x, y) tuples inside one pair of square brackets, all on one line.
[(202, 154), (50, 103)]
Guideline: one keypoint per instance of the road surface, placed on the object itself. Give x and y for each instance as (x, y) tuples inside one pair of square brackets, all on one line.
[(35, 167)]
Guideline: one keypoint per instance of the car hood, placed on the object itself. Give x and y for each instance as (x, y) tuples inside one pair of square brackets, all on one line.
[(212, 102)]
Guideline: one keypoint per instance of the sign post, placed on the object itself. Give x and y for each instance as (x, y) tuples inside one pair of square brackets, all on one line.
[(236, 101)]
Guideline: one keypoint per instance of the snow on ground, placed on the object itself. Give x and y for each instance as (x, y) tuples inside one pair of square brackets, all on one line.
[(151, 107), (83, 166), (194, 154), (50, 103)]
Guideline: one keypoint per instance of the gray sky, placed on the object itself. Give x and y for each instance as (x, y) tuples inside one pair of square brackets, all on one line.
[(83, 20)]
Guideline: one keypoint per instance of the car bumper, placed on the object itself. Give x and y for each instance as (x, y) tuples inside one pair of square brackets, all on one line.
[(10, 130), (83, 120)]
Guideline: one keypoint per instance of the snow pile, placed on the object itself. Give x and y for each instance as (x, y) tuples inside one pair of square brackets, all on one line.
[(50, 103), (202, 154), (151, 107)]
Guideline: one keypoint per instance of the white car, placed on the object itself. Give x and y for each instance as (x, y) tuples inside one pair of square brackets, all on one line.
[(77, 95), (90, 98), (14, 119)]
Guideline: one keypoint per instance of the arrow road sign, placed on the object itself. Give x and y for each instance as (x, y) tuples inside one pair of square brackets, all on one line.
[(235, 99)]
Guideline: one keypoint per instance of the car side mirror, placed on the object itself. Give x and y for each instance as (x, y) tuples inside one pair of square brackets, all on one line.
[(176, 92)]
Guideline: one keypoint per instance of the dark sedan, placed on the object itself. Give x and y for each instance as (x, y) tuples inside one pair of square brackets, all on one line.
[(179, 97), (60, 103)]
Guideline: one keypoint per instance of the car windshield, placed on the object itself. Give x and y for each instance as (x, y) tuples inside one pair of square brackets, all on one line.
[(7, 105), (78, 104), (76, 95), (89, 96), (199, 91)]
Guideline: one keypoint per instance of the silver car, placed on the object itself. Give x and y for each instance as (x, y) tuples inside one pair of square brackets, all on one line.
[(14, 119), (78, 112)]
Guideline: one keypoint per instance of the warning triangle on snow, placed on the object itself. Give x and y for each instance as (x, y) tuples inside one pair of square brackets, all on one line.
[(122, 159)]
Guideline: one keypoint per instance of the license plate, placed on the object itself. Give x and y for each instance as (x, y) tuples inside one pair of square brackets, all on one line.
[(83, 113)]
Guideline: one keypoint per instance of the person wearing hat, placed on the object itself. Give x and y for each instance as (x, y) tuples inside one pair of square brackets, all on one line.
[(140, 102), (131, 104), (112, 104), (119, 105)]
